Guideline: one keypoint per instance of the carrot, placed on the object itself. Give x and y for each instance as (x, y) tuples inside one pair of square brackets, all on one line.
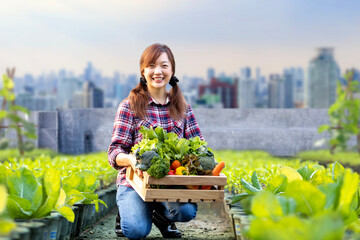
[(175, 164), (217, 169), (206, 187)]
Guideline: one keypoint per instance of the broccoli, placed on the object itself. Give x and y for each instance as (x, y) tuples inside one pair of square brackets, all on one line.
[(207, 163), (144, 160)]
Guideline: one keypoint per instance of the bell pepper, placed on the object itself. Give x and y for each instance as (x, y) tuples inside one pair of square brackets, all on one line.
[(171, 172), (181, 171)]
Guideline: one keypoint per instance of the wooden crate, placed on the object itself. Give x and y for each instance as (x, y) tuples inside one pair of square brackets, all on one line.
[(142, 187)]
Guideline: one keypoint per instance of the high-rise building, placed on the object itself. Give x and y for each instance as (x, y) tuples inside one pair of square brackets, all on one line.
[(94, 96), (289, 79), (261, 90), (276, 91), (66, 89), (210, 73), (226, 91), (323, 72), (246, 89)]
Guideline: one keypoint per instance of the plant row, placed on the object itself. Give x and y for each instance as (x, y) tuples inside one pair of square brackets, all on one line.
[(305, 201), (35, 188)]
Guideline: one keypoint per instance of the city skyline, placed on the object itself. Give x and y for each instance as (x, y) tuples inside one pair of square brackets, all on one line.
[(42, 36)]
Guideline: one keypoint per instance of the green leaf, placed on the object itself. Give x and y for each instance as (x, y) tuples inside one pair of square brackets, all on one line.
[(161, 134), (74, 181), (51, 183), (331, 191), (277, 184), (349, 185), (19, 108), (23, 184), (6, 226), (305, 172), (265, 204), (91, 182), (336, 170), (288, 227), (67, 213), (327, 225), (147, 133), (320, 177), (255, 181), (4, 173), (323, 128), (3, 114), (19, 207), (239, 197), (309, 199), (3, 199), (74, 196), (288, 205), (248, 187)]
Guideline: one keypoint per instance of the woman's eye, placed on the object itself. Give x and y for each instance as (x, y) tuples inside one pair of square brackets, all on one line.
[(165, 66)]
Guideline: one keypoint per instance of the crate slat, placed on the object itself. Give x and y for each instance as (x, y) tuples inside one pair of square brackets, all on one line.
[(142, 186)]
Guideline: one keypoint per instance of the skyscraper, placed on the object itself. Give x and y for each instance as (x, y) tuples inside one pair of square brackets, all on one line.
[(289, 79), (276, 91), (323, 73), (66, 89)]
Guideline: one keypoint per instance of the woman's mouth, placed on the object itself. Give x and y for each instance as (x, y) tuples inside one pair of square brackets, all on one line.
[(158, 79)]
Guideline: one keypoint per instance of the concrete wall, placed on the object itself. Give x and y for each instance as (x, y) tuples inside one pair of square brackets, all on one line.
[(282, 132)]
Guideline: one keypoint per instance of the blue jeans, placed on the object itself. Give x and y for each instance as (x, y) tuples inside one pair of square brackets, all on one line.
[(136, 215)]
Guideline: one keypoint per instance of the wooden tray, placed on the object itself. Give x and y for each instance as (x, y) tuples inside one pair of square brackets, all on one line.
[(142, 187)]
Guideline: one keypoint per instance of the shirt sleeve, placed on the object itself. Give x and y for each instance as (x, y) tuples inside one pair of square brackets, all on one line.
[(191, 127), (122, 136)]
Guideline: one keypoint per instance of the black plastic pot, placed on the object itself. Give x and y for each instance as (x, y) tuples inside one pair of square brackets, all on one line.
[(52, 224), (73, 225), (80, 221), (37, 229), (65, 231), (19, 232)]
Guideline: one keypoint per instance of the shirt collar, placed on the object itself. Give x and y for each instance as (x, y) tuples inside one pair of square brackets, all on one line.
[(151, 100)]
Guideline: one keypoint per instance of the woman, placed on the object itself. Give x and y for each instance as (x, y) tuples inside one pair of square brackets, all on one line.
[(149, 104)]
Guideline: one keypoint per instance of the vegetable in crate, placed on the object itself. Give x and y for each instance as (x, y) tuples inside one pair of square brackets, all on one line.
[(158, 149), (207, 163), (143, 162)]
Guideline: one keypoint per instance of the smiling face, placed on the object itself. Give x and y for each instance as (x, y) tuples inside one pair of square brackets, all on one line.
[(158, 73)]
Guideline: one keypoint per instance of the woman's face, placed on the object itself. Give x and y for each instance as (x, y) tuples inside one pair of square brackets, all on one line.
[(159, 73)]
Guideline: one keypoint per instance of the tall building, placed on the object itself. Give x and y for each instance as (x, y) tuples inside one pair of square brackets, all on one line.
[(94, 96), (210, 73), (246, 89), (323, 72), (276, 91), (227, 91), (289, 79), (66, 89), (261, 90)]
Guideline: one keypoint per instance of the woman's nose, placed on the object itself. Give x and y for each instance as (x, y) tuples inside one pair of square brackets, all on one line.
[(157, 70)]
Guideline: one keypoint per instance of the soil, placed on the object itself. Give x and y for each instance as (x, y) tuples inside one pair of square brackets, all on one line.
[(211, 223)]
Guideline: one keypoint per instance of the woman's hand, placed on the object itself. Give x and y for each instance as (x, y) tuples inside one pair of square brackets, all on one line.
[(133, 164)]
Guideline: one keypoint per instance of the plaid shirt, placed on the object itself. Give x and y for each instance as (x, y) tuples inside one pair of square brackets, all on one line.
[(126, 130)]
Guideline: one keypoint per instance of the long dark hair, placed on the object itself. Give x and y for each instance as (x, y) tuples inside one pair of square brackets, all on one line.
[(139, 96)]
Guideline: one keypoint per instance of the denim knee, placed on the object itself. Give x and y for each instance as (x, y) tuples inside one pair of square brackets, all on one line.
[(187, 212), (136, 231)]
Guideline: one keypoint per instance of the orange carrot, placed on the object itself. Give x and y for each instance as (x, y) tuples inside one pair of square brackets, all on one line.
[(206, 187), (217, 169), (175, 164)]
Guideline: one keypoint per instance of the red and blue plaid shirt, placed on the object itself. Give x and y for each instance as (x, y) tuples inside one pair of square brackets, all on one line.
[(126, 130)]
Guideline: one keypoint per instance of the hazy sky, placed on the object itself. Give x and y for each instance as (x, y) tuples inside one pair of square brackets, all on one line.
[(45, 35)]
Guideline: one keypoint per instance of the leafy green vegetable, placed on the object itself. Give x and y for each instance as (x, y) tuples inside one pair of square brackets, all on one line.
[(159, 168), (144, 160), (169, 148)]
